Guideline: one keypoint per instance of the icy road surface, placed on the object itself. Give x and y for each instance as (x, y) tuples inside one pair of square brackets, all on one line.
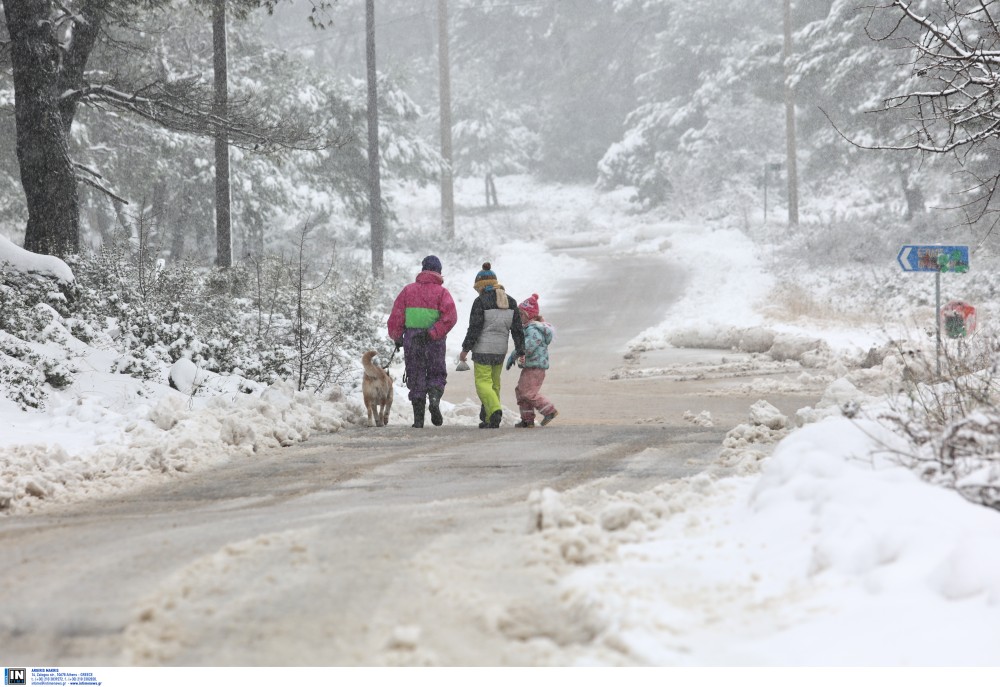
[(374, 546)]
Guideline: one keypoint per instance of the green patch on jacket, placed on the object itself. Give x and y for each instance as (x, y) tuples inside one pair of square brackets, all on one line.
[(421, 318)]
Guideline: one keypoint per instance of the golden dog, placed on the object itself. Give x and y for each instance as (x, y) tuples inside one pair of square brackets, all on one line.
[(376, 387)]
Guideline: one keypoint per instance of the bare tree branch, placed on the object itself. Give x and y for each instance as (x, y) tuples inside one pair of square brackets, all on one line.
[(94, 179), (186, 106), (953, 105), (102, 188)]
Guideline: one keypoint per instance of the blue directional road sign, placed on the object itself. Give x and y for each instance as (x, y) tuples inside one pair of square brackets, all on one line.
[(934, 258)]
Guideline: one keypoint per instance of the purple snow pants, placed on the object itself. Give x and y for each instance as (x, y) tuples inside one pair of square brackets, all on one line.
[(425, 365)]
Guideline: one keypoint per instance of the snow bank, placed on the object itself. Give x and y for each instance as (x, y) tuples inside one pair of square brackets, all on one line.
[(828, 558), (33, 263), (177, 433)]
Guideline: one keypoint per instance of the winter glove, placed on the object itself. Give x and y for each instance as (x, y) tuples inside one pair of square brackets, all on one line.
[(511, 359), (398, 343)]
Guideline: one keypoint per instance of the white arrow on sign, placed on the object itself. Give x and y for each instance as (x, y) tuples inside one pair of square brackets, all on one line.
[(904, 258)]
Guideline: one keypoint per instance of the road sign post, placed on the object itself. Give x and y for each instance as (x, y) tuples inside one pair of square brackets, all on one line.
[(935, 259)]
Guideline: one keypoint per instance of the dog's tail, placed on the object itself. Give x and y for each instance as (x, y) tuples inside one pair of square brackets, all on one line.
[(371, 369)]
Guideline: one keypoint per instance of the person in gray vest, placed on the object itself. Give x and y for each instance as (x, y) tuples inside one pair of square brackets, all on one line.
[(494, 320)]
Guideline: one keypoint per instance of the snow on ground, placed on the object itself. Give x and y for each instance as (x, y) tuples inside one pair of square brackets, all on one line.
[(822, 553), (823, 559)]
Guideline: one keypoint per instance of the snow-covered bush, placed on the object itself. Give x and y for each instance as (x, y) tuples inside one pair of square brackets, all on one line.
[(264, 320), (138, 303), (312, 322), (953, 423), (33, 336), (27, 374)]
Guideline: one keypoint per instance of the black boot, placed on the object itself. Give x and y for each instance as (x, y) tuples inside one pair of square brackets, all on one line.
[(418, 413), (433, 404), (495, 419)]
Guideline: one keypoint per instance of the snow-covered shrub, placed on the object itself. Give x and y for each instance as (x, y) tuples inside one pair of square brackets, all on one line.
[(265, 320), (968, 455), (20, 293), (247, 324), (141, 303), (27, 373), (33, 336), (58, 374), (20, 378), (953, 424)]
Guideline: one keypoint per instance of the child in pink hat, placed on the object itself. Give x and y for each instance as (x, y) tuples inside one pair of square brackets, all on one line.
[(538, 334)]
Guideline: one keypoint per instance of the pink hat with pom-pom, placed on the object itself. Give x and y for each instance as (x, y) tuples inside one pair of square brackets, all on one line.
[(530, 306)]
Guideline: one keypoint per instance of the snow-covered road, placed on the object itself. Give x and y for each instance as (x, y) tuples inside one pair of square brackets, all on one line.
[(375, 546)]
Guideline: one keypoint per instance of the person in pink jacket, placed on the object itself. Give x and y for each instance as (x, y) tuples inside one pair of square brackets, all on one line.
[(422, 315)]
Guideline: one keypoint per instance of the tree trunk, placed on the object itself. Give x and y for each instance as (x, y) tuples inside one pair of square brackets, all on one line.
[(491, 191), (47, 172), (158, 217), (223, 204), (74, 59), (912, 193), (177, 243), (374, 179), (793, 173), (444, 90)]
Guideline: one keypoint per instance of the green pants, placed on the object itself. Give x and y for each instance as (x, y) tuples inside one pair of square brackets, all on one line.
[(488, 386)]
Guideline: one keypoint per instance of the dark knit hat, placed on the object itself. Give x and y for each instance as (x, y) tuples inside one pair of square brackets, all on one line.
[(431, 264), (530, 306), (485, 278)]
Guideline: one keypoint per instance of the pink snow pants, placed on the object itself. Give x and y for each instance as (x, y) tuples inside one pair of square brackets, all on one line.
[(529, 394)]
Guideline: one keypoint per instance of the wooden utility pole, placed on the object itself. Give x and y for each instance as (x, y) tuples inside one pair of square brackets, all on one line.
[(223, 200), (444, 88), (792, 167), (374, 179)]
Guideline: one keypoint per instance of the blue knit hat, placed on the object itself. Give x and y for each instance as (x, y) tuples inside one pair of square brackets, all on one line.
[(431, 264), (485, 278)]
